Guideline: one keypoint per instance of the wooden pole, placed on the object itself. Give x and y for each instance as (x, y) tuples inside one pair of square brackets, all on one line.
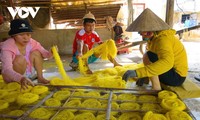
[(130, 12), (170, 13)]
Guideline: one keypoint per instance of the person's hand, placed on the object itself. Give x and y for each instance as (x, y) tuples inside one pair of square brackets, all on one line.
[(129, 74), (79, 55), (43, 81), (25, 82)]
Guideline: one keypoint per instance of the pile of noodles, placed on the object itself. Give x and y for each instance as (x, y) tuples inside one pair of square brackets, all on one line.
[(40, 113), (154, 116)]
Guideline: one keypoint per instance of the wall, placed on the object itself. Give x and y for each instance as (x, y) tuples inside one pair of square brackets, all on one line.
[(63, 38)]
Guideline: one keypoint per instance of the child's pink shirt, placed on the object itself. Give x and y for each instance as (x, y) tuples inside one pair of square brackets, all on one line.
[(8, 52)]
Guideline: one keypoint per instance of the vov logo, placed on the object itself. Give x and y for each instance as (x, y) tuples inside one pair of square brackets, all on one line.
[(23, 12)]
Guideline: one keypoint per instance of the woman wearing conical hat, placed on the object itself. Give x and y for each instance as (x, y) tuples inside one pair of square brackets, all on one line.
[(165, 60)]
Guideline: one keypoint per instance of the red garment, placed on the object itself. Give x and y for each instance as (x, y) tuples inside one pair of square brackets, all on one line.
[(88, 39)]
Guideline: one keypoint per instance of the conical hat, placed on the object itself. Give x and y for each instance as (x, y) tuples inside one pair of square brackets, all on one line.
[(147, 21)]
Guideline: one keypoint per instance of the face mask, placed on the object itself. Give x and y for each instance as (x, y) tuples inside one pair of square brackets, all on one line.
[(145, 39)]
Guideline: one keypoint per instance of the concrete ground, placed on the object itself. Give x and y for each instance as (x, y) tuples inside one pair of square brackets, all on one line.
[(193, 52)]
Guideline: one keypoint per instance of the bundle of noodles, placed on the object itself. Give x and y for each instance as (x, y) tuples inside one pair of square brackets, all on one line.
[(154, 116), (59, 81), (101, 50), (41, 113), (130, 116), (16, 113), (110, 82), (106, 96), (12, 86), (110, 71), (151, 107), (85, 116), (11, 96), (108, 48), (95, 94), (129, 106), (84, 80), (147, 98), (27, 89), (173, 104), (2, 84), (52, 102), (82, 65), (39, 89), (73, 103), (165, 94), (27, 98), (90, 103), (64, 115), (126, 96), (3, 93), (59, 64), (61, 95), (177, 115), (3, 104), (114, 106), (103, 117)]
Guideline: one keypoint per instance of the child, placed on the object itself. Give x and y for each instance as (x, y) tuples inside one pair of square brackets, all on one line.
[(22, 56), (84, 41)]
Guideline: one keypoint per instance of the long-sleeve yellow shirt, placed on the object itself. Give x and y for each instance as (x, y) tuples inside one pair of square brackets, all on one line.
[(171, 53)]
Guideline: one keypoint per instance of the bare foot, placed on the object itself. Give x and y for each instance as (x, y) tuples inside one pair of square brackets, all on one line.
[(117, 64), (88, 72), (43, 80)]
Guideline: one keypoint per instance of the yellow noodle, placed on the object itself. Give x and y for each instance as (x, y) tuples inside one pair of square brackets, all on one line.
[(151, 107), (16, 113), (154, 116), (52, 102), (110, 71), (114, 106), (110, 82), (85, 116), (129, 106), (73, 103), (177, 115), (147, 98), (3, 104), (41, 113), (64, 115), (3, 93), (95, 94), (84, 80), (39, 89), (114, 97), (90, 103), (100, 49), (11, 96), (12, 86), (59, 64), (173, 104), (103, 117), (2, 84), (165, 94), (130, 116), (27, 98), (27, 89), (61, 95), (126, 96)]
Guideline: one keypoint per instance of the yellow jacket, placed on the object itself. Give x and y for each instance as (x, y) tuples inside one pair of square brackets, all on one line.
[(171, 53)]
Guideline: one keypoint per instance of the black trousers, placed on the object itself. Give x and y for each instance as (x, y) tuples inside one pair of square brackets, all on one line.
[(170, 77)]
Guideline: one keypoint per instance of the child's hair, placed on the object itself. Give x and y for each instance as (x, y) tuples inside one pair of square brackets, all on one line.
[(88, 20)]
